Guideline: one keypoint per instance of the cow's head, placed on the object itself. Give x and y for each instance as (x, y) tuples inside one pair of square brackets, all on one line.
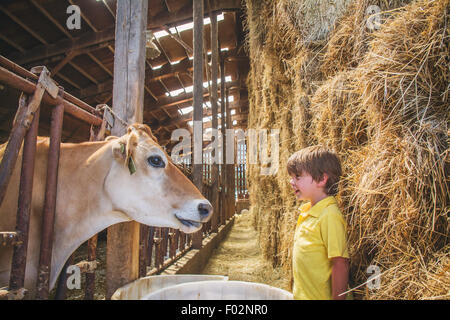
[(145, 184)]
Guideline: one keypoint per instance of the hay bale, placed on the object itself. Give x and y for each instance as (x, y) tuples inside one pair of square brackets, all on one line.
[(381, 101), (348, 41), (313, 19)]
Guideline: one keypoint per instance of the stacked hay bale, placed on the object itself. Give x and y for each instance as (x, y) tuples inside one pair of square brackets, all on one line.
[(380, 99)]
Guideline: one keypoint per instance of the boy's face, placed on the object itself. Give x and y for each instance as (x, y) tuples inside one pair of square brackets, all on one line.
[(305, 187)]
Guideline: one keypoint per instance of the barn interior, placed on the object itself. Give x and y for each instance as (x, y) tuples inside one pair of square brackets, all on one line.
[(373, 87)]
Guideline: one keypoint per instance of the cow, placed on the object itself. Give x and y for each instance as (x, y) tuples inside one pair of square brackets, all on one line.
[(100, 184)]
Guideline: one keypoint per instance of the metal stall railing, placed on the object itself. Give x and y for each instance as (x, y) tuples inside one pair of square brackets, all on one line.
[(241, 170), (36, 86)]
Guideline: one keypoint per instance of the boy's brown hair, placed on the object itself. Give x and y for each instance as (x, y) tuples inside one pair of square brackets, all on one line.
[(317, 160)]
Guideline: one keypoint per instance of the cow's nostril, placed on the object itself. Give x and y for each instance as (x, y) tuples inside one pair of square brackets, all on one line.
[(204, 209)]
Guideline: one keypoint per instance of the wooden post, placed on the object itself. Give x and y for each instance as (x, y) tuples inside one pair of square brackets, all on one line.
[(198, 107), (122, 254), (224, 142), (17, 277), (213, 99), (231, 166), (48, 216)]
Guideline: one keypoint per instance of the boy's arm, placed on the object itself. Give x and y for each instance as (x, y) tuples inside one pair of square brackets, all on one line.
[(339, 277)]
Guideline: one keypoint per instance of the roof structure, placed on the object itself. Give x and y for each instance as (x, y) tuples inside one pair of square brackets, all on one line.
[(36, 32)]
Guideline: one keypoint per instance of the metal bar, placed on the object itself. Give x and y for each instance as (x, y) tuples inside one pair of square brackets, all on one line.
[(13, 147), (90, 276), (13, 80), (165, 242), (17, 277), (48, 217), (150, 247), (143, 250), (198, 104), (15, 68), (158, 245), (61, 289), (92, 242)]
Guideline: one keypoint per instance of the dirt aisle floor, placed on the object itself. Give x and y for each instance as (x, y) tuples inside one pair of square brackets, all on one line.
[(239, 257)]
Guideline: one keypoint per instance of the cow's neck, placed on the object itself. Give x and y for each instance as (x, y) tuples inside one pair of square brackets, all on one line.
[(90, 211)]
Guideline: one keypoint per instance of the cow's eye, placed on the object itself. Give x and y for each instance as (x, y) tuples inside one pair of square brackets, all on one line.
[(156, 161)]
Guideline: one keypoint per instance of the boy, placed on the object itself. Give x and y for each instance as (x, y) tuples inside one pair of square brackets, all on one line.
[(320, 256)]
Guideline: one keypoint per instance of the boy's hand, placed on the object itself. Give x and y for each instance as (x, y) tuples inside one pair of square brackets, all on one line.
[(339, 277)]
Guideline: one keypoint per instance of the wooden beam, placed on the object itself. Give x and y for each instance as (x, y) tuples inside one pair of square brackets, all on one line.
[(185, 13), (165, 102), (63, 46), (213, 99), (69, 81), (98, 62), (109, 9), (62, 63), (173, 5), (23, 25), (122, 254), (12, 43), (188, 116), (84, 73), (49, 17), (93, 38), (178, 39), (198, 107)]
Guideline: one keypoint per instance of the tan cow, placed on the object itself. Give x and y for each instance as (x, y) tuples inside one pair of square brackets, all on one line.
[(96, 189)]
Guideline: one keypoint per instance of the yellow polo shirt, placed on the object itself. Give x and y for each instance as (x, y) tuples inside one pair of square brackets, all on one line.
[(319, 236)]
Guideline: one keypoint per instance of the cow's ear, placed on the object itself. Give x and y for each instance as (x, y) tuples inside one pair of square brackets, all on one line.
[(124, 150), (119, 150)]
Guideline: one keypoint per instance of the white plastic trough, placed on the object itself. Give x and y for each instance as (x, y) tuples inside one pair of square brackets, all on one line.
[(141, 287), (219, 290)]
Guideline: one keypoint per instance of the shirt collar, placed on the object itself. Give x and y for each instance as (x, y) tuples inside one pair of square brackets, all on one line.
[(316, 209)]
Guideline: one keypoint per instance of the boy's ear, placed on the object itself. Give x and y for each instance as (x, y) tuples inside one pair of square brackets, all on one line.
[(323, 181)]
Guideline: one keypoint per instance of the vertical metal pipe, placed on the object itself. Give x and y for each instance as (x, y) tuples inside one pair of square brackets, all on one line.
[(214, 98), (198, 105), (17, 277), (224, 141), (230, 165), (61, 289), (150, 246), (90, 276), (143, 249), (15, 140), (48, 218), (97, 134)]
